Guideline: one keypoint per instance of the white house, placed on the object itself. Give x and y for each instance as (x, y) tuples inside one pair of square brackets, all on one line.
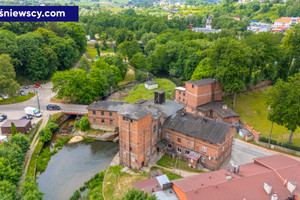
[(151, 85), (286, 21)]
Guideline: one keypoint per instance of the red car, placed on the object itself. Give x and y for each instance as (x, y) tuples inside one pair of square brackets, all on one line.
[(38, 85)]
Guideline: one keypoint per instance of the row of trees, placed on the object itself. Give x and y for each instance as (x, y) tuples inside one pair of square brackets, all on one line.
[(77, 85), (12, 155), (37, 55)]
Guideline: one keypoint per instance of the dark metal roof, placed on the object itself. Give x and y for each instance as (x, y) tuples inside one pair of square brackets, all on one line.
[(160, 91), (197, 126), (133, 111), (151, 83), (202, 81), (18, 123), (217, 107), (106, 105)]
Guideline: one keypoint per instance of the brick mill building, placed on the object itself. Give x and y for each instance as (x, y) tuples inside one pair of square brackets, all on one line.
[(181, 128), (204, 97)]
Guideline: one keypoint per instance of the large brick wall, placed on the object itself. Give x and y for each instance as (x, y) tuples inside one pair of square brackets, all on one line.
[(99, 118)]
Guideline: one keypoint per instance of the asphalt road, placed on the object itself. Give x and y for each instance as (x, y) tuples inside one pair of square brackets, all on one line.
[(243, 153), (16, 111)]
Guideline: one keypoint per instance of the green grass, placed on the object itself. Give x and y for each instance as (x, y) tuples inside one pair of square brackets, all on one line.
[(117, 184), (170, 175), (33, 161), (43, 159), (140, 92), (37, 126), (18, 99), (168, 162), (92, 52), (128, 78), (253, 109)]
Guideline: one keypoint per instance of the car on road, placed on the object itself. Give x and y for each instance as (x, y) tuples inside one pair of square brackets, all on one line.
[(26, 86), (3, 96), (25, 118), (38, 85), (53, 107), (3, 117), (22, 93)]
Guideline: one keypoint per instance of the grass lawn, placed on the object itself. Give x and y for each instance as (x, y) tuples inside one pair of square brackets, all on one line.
[(118, 183), (33, 161), (254, 111), (92, 51), (18, 99), (168, 162), (169, 174), (140, 92)]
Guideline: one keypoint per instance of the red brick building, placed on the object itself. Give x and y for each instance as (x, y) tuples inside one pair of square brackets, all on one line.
[(201, 141), (272, 177), (103, 115), (22, 126), (204, 97)]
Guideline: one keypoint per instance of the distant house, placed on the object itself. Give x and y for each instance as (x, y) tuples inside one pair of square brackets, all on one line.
[(22, 126), (3, 138), (286, 21), (151, 85), (88, 37)]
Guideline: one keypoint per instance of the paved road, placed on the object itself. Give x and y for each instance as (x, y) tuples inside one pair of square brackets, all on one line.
[(16, 111), (243, 153)]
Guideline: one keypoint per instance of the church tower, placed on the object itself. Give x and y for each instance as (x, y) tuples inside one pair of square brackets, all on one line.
[(209, 22)]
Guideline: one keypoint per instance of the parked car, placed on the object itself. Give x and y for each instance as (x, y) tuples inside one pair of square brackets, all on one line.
[(3, 117), (22, 93), (29, 116), (38, 85), (25, 118), (26, 86), (53, 107), (4, 96)]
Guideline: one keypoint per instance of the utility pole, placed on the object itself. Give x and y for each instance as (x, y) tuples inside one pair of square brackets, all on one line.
[(37, 96)]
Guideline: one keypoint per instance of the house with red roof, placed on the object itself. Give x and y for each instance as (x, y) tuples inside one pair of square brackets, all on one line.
[(272, 177)]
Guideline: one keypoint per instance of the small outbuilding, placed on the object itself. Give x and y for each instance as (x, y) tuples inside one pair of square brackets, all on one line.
[(3, 138), (22, 126), (151, 85)]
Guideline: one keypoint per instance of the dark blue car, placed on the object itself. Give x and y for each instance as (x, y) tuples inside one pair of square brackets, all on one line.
[(53, 107)]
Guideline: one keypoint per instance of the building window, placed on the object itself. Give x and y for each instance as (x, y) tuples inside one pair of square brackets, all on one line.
[(94, 112), (182, 99), (111, 121), (204, 148), (124, 154), (187, 151), (192, 86), (130, 148), (189, 143), (102, 121), (178, 139), (183, 94), (110, 113), (94, 120), (179, 149), (203, 159), (179, 92), (191, 160), (168, 135), (179, 98), (154, 128), (102, 112), (169, 146)]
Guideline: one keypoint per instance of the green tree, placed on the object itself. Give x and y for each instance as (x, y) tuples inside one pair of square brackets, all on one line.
[(230, 60), (129, 48), (284, 101), (147, 37), (84, 123), (30, 190), (84, 64), (138, 61), (7, 190), (116, 60), (138, 194), (20, 140), (13, 129), (8, 84)]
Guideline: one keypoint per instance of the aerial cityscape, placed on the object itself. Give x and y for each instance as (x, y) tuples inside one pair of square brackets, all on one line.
[(149, 100)]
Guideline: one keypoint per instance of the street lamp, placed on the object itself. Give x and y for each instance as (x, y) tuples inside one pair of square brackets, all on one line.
[(37, 96)]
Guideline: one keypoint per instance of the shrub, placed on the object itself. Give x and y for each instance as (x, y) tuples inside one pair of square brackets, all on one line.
[(266, 140), (84, 123), (76, 195), (140, 76), (290, 146)]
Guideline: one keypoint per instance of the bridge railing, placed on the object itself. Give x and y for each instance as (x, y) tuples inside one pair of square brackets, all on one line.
[(75, 112)]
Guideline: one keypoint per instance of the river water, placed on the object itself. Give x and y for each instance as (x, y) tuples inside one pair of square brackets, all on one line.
[(73, 165)]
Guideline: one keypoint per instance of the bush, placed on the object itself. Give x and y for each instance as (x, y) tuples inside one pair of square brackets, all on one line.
[(60, 143), (84, 123), (43, 159), (76, 195), (266, 140), (140, 76), (290, 146), (21, 141)]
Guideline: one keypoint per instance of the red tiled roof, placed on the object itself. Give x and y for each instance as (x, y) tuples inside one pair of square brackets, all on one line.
[(284, 19), (247, 184)]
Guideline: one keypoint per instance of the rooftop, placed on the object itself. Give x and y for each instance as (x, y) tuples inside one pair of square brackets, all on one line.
[(18, 123), (197, 126), (151, 83), (133, 111), (106, 105), (202, 81), (246, 184), (284, 19), (217, 107)]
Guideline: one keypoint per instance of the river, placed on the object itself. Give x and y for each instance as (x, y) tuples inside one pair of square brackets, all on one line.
[(73, 165)]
